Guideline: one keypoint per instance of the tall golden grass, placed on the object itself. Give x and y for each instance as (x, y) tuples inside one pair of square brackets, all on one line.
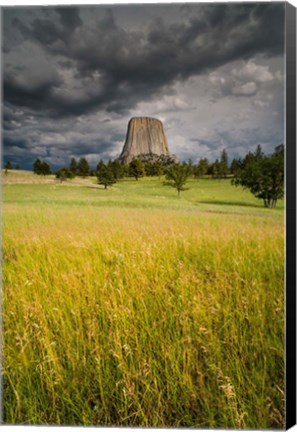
[(122, 316)]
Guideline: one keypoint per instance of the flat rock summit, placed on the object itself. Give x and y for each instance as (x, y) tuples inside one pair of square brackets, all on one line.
[(145, 135)]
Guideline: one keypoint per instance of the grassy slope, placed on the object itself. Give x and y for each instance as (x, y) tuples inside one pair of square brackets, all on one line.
[(133, 307), (207, 194)]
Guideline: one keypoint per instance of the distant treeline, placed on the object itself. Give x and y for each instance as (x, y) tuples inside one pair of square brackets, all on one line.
[(147, 164), (9, 166)]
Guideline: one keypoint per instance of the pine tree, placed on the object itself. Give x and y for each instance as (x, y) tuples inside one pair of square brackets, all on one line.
[(83, 167), (45, 168), (105, 174), (117, 168), (136, 169), (8, 165), (223, 164), (64, 174), (37, 166), (73, 166)]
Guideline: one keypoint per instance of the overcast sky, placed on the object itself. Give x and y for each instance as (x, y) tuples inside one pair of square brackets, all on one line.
[(74, 76)]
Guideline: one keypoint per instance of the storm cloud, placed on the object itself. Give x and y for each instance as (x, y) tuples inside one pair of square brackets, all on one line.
[(75, 75)]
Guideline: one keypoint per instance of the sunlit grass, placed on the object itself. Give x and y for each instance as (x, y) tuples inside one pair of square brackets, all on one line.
[(141, 315)]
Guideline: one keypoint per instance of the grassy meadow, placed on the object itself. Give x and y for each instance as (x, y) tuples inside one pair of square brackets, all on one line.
[(133, 307)]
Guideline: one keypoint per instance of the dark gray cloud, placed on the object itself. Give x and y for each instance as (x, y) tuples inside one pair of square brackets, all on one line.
[(70, 62), (69, 17), (134, 65), (46, 31)]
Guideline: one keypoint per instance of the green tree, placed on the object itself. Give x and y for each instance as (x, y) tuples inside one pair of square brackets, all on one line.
[(197, 172), (125, 170), (64, 174), (235, 164), (159, 169), (258, 155), (154, 168), (223, 164), (204, 164), (149, 168), (73, 166), (8, 165), (176, 176), (83, 167), (37, 166), (17, 166), (100, 165), (136, 169), (45, 168), (263, 175), (105, 174), (41, 167), (214, 169), (117, 169), (200, 169), (190, 166)]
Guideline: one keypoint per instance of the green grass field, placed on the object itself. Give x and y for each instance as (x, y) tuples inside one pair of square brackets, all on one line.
[(130, 306)]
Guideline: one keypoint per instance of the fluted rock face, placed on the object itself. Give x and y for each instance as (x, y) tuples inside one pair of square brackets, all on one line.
[(145, 135)]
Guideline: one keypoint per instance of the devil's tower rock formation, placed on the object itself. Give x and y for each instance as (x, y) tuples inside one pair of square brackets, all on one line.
[(145, 136)]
